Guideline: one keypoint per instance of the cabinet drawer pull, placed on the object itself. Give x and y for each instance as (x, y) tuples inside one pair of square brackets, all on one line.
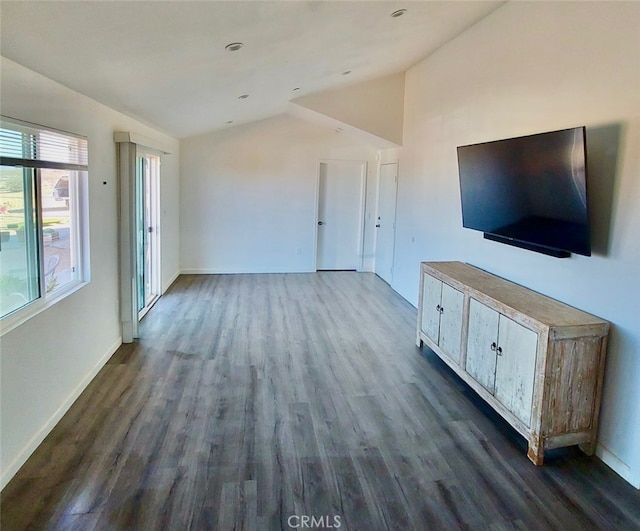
[(499, 351), (493, 346)]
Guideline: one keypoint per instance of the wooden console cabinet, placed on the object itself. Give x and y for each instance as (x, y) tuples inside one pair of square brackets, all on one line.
[(538, 362)]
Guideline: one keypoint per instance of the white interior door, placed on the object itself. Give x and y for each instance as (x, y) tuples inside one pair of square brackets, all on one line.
[(340, 215), (386, 221)]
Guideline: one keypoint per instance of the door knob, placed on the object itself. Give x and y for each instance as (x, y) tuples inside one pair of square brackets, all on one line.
[(320, 222)]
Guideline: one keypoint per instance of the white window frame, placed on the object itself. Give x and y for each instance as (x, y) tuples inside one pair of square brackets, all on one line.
[(78, 192)]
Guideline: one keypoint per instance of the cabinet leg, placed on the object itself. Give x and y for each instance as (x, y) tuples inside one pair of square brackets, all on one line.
[(536, 452), (419, 342), (588, 448)]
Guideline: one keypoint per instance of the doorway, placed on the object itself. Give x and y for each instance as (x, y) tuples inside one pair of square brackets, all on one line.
[(386, 221), (147, 245), (341, 187)]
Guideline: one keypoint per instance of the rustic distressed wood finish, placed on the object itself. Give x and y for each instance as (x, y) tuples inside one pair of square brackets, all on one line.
[(554, 400), (253, 398)]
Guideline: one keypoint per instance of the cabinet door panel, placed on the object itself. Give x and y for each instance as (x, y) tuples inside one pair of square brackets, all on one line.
[(430, 301), (515, 368), (451, 322), (483, 331)]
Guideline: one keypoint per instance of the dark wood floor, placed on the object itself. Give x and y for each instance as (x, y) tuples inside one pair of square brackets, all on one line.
[(251, 401)]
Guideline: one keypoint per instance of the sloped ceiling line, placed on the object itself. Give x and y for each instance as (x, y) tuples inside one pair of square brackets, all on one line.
[(373, 110)]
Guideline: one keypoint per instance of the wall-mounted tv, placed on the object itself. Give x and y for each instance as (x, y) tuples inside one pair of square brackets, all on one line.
[(529, 191)]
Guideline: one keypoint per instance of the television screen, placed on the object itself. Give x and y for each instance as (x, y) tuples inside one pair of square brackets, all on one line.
[(529, 191)]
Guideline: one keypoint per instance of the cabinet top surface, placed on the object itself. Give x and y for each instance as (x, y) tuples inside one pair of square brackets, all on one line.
[(523, 300)]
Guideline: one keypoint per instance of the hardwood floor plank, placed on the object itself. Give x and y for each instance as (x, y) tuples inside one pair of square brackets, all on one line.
[(381, 494), (351, 499), (238, 506), (251, 401)]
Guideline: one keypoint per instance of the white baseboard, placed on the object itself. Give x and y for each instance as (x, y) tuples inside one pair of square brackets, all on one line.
[(616, 464), (171, 281), (37, 439), (241, 271)]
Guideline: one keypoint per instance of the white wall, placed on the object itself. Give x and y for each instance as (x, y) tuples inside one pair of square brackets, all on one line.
[(531, 67), (47, 361), (248, 196), (374, 106)]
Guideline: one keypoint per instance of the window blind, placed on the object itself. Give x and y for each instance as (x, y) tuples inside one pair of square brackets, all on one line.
[(33, 146)]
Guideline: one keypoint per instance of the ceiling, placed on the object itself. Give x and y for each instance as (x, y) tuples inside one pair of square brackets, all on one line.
[(165, 63)]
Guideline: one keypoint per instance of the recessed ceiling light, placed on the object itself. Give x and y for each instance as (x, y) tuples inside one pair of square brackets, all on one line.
[(297, 88), (229, 122), (346, 72), (243, 96), (398, 13), (233, 46)]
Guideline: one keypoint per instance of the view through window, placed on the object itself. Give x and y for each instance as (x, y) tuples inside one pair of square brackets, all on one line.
[(40, 222), (19, 264)]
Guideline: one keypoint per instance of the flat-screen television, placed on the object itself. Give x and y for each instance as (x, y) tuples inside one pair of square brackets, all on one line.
[(529, 191)]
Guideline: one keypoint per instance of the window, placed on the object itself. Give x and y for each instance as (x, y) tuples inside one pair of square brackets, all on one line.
[(43, 176)]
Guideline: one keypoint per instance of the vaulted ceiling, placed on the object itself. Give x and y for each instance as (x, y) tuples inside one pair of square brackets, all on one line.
[(165, 62)]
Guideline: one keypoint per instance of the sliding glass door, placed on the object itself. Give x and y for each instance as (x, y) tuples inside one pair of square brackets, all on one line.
[(147, 231)]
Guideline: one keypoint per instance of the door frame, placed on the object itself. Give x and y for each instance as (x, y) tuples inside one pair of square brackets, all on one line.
[(127, 159), (395, 215), (361, 214)]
